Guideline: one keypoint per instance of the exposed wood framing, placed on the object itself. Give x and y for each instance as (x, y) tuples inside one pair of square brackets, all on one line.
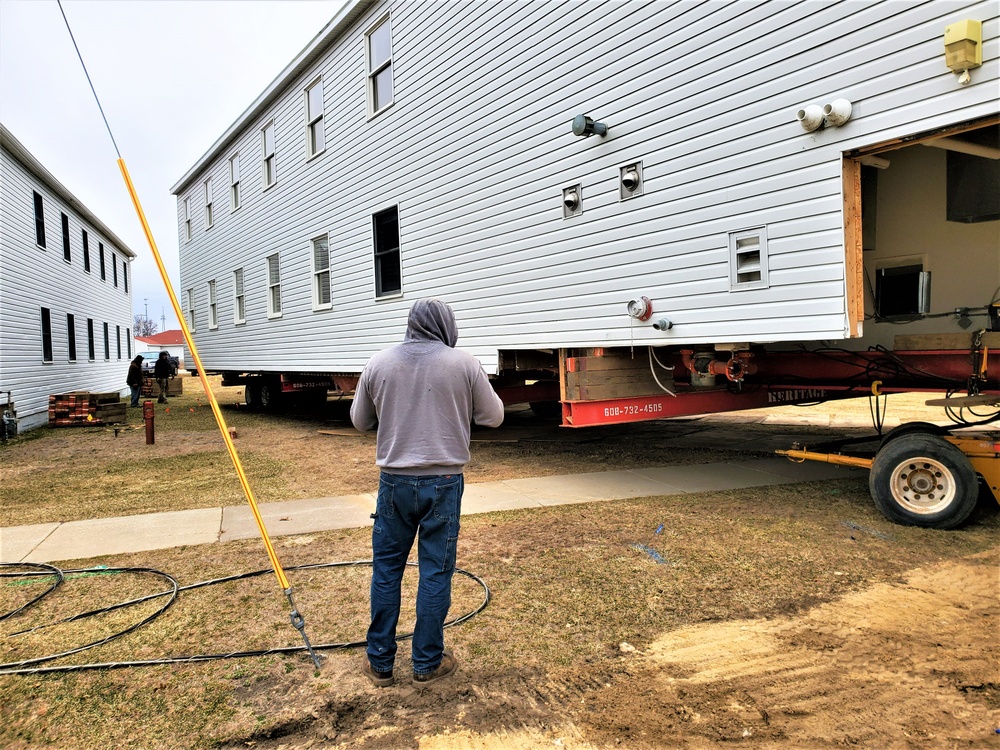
[(854, 265)]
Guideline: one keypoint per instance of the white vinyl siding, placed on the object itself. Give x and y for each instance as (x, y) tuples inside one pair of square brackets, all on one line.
[(239, 298), (315, 136), (321, 273), (234, 182), (704, 95), (30, 280), (378, 49), (273, 287), (213, 307)]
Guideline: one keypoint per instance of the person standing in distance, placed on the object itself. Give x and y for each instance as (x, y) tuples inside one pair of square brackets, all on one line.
[(134, 379), (422, 396), (163, 370)]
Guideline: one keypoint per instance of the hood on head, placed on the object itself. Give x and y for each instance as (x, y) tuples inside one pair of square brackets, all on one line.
[(432, 320)]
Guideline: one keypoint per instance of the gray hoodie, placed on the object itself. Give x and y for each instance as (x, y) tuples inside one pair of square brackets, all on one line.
[(423, 396)]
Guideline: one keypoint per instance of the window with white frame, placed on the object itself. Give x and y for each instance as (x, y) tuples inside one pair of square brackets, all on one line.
[(267, 142), (234, 181), (213, 306), (190, 310), (378, 44), (315, 138), (388, 268), (239, 299), (273, 287), (321, 273), (748, 259), (209, 217), (187, 219)]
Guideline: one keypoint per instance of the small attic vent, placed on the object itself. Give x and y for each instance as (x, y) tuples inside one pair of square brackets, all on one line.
[(748, 259)]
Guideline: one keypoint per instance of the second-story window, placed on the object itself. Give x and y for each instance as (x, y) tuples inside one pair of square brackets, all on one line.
[(273, 287), (125, 274), (114, 269), (213, 306), (315, 139), (187, 219), (39, 221), (234, 182), (100, 258), (379, 53), (267, 142), (321, 273), (239, 300), (209, 218), (86, 251), (65, 229)]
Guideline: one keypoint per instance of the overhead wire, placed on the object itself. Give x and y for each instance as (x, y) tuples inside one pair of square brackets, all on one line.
[(297, 620)]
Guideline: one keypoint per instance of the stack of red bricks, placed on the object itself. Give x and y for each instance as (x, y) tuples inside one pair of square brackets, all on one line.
[(82, 408)]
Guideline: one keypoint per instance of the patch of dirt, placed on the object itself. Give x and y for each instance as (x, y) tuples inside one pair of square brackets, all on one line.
[(907, 665)]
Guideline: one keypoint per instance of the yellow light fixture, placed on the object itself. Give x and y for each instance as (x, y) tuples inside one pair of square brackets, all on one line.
[(963, 45)]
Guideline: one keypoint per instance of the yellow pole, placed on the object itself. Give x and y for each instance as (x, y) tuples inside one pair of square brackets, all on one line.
[(220, 420), (297, 620)]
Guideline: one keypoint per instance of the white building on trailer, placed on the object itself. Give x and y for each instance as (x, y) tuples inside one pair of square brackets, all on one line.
[(420, 149), (65, 291)]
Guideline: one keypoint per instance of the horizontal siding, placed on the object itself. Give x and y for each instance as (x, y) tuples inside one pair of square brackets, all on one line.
[(476, 150), (31, 278)]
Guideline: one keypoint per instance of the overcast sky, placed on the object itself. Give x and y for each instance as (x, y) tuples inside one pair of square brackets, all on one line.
[(171, 75)]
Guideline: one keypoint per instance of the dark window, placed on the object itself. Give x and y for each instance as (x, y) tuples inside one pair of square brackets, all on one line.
[(107, 343), (39, 222), (118, 338), (90, 339), (86, 252), (973, 181), (388, 271), (114, 268), (125, 274), (903, 290), (46, 335), (128, 343), (100, 253), (71, 337), (65, 228)]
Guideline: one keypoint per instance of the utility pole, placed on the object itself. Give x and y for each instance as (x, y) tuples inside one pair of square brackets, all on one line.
[(163, 320), (146, 302)]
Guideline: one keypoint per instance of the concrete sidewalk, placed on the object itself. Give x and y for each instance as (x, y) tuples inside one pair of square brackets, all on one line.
[(51, 542)]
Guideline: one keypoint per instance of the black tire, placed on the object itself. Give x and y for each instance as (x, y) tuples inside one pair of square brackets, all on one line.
[(923, 480), (251, 394), (270, 395), (911, 428)]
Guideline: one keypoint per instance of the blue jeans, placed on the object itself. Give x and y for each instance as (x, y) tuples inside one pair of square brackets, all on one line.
[(407, 505), (135, 394)]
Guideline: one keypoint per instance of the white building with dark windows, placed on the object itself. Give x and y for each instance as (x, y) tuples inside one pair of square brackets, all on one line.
[(65, 291), (746, 173)]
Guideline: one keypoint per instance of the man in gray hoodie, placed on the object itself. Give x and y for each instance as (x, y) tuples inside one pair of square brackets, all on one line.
[(422, 396)]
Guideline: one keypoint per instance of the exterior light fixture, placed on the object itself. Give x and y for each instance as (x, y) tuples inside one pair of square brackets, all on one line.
[(963, 48), (583, 125)]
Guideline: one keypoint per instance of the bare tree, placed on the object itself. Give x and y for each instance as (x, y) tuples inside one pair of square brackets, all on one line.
[(142, 326)]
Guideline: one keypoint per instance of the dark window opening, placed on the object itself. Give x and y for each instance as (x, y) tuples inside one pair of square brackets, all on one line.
[(903, 290), (65, 229), (107, 343), (86, 252), (46, 335), (100, 253), (388, 269), (114, 269), (90, 340), (71, 337), (974, 181), (39, 221)]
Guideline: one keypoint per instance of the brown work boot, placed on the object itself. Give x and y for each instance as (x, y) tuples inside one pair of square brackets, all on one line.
[(448, 666), (378, 679)]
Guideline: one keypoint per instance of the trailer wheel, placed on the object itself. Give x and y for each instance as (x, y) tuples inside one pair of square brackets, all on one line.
[(251, 394), (922, 480), (270, 395), (911, 428)]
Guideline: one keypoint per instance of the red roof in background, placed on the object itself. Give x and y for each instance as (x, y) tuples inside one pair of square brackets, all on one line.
[(166, 338)]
